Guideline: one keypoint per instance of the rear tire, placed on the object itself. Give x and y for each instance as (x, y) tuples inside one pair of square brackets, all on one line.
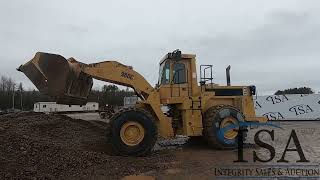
[(217, 117), (133, 132)]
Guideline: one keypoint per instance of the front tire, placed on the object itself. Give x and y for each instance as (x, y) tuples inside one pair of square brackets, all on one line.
[(133, 132)]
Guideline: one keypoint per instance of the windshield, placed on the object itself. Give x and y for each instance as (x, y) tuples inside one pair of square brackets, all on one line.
[(164, 73)]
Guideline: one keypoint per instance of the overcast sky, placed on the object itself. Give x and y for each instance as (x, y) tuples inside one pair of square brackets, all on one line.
[(271, 44)]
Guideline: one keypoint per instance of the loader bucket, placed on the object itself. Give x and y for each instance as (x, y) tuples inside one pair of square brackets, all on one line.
[(58, 78)]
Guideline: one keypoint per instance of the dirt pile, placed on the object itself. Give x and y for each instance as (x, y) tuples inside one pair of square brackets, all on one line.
[(39, 146)]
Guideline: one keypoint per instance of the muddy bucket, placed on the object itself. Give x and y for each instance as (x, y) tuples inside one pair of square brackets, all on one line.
[(59, 78)]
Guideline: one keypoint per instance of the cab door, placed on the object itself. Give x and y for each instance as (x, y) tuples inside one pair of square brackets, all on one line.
[(173, 81), (179, 83)]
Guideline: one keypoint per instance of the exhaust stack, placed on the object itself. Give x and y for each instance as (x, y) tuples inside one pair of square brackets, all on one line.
[(228, 75)]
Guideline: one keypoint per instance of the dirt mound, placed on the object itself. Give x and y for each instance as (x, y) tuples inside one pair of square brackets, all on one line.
[(19, 114), (39, 146)]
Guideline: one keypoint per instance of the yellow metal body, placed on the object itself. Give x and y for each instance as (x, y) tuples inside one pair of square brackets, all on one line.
[(193, 100), (189, 98)]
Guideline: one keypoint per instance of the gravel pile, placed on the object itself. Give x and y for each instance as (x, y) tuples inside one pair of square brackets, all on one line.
[(40, 146)]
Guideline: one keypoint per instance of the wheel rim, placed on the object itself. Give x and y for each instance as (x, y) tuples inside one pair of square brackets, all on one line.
[(132, 133), (231, 133)]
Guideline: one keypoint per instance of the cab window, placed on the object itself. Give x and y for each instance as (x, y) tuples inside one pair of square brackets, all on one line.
[(179, 73), (165, 73)]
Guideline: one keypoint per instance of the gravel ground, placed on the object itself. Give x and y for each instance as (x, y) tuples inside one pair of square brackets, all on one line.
[(39, 146)]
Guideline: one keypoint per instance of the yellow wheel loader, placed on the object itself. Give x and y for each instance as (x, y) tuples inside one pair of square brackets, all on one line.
[(195, 109)]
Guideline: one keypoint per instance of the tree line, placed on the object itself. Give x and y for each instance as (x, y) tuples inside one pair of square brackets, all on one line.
[(14, 95), (300, 90)]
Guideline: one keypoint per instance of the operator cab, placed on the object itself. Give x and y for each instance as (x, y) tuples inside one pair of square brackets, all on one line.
[(171, 60), (174, 75)]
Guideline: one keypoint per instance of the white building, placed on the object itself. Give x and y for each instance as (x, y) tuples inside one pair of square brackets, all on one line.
[(54, 107)]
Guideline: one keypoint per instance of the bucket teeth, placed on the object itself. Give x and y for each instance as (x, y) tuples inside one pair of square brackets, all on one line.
[(59, 78)]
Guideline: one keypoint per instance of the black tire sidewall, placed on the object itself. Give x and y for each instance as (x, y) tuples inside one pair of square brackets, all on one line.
[(149, 129), (218, 118)]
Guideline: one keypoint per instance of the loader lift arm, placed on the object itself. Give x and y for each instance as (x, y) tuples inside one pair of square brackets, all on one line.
[(117, 73)]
